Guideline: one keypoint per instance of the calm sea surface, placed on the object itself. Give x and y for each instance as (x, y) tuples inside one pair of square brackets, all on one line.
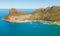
[(26, 29)]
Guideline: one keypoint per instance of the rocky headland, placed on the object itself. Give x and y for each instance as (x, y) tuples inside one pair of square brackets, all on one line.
[(46, 14)]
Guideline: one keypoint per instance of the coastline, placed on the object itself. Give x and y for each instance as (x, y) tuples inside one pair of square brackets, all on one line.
[(44, 22)]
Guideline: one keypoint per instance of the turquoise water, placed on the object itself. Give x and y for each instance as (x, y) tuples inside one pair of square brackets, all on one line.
[(27, 29)]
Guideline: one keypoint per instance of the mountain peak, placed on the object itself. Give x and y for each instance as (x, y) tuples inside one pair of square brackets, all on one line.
[(15, 12)]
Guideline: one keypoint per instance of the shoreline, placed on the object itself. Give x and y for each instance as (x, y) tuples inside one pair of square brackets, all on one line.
[(44, 22)]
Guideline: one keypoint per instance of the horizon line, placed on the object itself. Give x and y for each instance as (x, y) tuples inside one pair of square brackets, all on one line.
[(28, 8)]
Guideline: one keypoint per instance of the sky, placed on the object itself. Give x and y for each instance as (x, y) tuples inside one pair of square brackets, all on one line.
[(28, 4)]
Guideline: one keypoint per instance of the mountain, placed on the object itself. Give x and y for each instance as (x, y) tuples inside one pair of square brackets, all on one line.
[(14, 12), (48, 14)]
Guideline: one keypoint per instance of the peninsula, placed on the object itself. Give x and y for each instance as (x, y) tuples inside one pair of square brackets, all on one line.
[(47, 14)]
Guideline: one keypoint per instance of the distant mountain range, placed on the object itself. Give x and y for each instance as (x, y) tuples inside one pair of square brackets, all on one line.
[(47, 14)]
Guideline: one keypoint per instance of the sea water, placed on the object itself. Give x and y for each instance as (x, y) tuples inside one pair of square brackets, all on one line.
[(26, 29)]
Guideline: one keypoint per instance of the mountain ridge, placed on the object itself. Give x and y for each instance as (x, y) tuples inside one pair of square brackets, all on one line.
[(50, 13)]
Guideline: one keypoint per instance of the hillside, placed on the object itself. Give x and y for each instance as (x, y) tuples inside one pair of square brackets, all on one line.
[(48, 14)]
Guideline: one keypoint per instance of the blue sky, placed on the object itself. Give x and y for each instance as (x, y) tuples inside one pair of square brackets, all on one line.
[(27, 4)]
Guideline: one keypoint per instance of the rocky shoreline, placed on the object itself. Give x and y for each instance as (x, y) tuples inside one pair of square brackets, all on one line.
[(49, 15), (42, 21)]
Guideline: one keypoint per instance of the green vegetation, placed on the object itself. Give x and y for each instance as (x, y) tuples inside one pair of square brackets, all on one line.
[(6, 18)]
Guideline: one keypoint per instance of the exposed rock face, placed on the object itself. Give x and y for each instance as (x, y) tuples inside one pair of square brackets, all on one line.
[(49, 13)]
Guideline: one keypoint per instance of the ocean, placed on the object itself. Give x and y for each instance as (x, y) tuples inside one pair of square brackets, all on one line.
[(26, 29)]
